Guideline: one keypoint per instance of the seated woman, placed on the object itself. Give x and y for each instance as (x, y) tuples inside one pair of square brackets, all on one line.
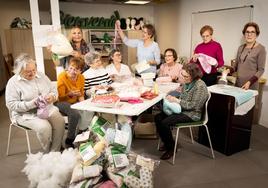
[(116, 69), (192, 99), (70, 86), (96, 75), (24, 92), (170, 68)]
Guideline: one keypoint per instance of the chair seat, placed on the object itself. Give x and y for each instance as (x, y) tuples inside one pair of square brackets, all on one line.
[(193, 123), (21, 126)]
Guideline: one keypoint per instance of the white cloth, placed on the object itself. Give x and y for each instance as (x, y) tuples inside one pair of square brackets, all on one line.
[(239, 109), (206, 62), (124, 70)]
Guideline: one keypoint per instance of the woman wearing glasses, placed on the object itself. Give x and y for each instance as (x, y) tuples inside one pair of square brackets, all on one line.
[(29, 92), (208, 50), (192, 99), (116, 69), (170, 68), (250, 58)]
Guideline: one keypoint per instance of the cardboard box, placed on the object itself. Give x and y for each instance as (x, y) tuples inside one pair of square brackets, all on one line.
[(145, 127)]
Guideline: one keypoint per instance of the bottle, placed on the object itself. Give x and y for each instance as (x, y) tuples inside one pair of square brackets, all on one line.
[(156, 88)]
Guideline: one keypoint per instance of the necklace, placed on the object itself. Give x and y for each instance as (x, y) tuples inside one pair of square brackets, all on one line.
[(248, 51)]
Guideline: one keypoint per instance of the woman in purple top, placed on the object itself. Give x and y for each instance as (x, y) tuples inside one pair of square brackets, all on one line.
[(211, 48)]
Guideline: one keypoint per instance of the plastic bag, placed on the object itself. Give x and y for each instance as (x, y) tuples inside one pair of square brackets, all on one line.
[(60, 45), (171, 107)]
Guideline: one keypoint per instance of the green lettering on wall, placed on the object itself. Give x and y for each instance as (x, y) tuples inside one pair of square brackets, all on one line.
[(89, 23)]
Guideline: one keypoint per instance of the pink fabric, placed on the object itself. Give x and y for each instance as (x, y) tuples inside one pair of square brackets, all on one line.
[(212, 49), (42, 110), (207, 62), (108, 184), (172, 71)]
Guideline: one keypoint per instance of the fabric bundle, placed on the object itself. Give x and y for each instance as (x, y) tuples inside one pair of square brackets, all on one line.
[(206, 62)]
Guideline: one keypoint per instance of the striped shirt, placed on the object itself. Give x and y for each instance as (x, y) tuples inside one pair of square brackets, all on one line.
[(94, 77)]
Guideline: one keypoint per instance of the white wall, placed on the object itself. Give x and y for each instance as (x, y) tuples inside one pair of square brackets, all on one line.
[(165, 15), (260, 14)]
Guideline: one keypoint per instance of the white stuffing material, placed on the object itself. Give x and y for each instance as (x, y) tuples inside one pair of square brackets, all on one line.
[(53, 169)]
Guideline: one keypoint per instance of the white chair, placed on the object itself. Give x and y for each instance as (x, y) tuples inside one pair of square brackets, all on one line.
[(189, 125), (26, 129)]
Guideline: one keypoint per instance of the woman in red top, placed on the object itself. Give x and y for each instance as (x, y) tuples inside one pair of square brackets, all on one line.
[(210, 48)]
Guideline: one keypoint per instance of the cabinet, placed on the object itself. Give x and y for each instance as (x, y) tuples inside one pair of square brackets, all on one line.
[(104, 41), (229, 133), (18, 41)]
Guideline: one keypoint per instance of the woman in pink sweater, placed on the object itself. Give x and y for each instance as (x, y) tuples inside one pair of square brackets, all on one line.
[(212, 49)]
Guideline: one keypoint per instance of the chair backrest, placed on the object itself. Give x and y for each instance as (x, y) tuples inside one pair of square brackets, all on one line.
[(205, 110)]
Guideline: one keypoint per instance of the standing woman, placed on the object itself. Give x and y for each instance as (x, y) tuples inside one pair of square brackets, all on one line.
[(79, 45), (147, 48), (210, 48), (250, 59)]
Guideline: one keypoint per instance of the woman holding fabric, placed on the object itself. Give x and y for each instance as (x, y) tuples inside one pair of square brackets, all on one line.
[(210, 53), (29, 97), (250, 58), (192, 99), (147, 48), (80, 47)]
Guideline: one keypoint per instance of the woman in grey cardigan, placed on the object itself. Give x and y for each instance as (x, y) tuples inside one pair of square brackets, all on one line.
[(26, 92), (250, 59), (192, 99)]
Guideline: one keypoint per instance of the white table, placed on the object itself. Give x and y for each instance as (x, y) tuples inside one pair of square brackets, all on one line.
[(239, 109), (123, 108)]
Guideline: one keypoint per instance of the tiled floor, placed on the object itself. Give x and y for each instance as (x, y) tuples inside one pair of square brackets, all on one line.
[(193, 168)]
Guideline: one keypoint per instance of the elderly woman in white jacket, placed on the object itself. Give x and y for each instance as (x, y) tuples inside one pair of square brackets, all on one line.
[(23, 94)]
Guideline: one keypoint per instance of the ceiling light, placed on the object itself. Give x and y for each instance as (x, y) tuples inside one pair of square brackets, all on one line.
[(137, 2)]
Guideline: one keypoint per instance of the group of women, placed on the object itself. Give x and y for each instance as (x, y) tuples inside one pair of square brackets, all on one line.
[(77, 81)]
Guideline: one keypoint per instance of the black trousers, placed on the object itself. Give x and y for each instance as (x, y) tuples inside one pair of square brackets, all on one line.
[(210, 79), (163, 123)]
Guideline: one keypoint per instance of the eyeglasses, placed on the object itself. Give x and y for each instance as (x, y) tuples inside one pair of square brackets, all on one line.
[(185, 76), (205, 36), (28, 72), (250, 32), (117, 55), (168, 55)]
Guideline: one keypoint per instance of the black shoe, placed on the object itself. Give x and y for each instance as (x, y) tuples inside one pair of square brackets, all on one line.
[(167, 155), (69, 143), (81, 131)]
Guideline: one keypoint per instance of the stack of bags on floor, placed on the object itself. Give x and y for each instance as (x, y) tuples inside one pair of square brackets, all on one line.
[(102, 160)]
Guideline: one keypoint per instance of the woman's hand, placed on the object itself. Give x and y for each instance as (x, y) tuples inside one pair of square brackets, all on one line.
[(76, 53), (246, 85), (50, 98), (172, 99), (74, 93), (117, 25), (194, 58), (152, 62), (174, 78)]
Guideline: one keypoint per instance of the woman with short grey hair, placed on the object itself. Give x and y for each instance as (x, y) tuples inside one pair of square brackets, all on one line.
[(29, 97)]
